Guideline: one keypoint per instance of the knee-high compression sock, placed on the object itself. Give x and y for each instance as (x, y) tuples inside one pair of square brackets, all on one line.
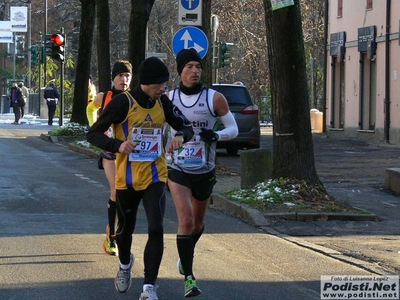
[(196, 236), (112, 213), (185, 250)]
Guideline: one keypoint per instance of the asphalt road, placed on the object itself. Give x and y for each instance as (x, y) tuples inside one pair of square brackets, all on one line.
[(52, 219)]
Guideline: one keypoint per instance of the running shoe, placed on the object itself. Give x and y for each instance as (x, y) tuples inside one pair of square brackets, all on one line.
[(150, 293), (109, 244), (180, 267), (191, 288), (123, 280)]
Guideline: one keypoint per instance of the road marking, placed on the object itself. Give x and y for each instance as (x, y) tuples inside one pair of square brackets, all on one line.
[(89, 180)]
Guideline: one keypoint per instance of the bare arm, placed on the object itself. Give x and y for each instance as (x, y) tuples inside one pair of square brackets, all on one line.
[(221, 106)]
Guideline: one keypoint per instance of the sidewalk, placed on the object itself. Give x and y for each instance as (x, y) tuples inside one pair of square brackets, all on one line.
[(30, 120), (351, 170)]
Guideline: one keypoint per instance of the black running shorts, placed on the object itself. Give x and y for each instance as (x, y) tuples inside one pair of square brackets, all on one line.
[(105, 155), (201, 185)]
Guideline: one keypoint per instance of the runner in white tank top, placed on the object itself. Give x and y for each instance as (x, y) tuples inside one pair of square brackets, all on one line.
[(191, 169)]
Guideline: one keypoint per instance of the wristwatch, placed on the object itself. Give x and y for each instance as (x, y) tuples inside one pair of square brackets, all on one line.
[(179, 133)]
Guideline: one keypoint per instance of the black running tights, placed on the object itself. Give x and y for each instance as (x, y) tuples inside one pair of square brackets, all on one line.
[(127, 206)]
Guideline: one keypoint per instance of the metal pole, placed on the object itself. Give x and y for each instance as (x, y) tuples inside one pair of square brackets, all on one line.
[(61, 119), (40, 88), (40, 75), (214, 28), (386, 126), (215, 59), (44, 43), (147, 40), (14, 54), (29, 44), (324, 100)]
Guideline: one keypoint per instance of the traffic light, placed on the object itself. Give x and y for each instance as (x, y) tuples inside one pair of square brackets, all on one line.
[(58, 46), (55, 46), (34, 54), (224, 54), (48, 46)]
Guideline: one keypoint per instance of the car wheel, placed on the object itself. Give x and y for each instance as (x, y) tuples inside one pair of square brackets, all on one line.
[(232, 151)]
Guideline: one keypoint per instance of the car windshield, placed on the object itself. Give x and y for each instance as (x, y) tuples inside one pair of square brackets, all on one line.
[(234, 96)]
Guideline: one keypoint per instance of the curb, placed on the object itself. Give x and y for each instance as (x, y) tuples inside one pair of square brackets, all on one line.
[(307, 217), (243, 211), (83, 150), (71, 146), (257, 219), (49, 138)]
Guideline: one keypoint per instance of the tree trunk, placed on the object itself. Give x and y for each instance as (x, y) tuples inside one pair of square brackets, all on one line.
[(103, 45), (83, 64), (140, 13), (293, 152), (206, 76)]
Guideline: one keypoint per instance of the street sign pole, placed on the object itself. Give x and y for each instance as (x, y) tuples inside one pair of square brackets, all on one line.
[(62, 104), (214, 28)]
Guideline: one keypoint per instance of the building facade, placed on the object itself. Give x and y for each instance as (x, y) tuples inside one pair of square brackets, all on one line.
[(363, 66)]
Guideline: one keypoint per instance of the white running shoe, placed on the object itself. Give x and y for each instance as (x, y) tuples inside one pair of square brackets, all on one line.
[(123, 280), (150, 293)]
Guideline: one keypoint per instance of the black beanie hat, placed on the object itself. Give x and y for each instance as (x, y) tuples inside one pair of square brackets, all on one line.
[(121, 66), (153, 70), (185, 56)]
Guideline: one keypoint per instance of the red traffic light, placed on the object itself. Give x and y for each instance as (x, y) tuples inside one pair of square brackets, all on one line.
[(57, 39)]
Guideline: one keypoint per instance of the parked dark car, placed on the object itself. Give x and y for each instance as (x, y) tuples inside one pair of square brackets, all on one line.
[(246, 115)]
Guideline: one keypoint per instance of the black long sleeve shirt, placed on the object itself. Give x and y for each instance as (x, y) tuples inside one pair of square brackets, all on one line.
[(117, 110)]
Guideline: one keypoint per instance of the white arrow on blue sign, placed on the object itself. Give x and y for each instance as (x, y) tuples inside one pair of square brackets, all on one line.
[(190, 4), (190, 37)]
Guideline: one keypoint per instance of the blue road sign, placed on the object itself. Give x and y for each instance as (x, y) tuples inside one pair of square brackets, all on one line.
[(190, 4), (190, 37)]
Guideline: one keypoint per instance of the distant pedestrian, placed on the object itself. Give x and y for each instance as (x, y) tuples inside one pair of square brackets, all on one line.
[(51, 95), (25, 96), (16, 100), (91, 90)]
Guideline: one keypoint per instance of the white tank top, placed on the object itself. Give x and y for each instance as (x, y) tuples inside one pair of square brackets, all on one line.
[(196, 157)]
